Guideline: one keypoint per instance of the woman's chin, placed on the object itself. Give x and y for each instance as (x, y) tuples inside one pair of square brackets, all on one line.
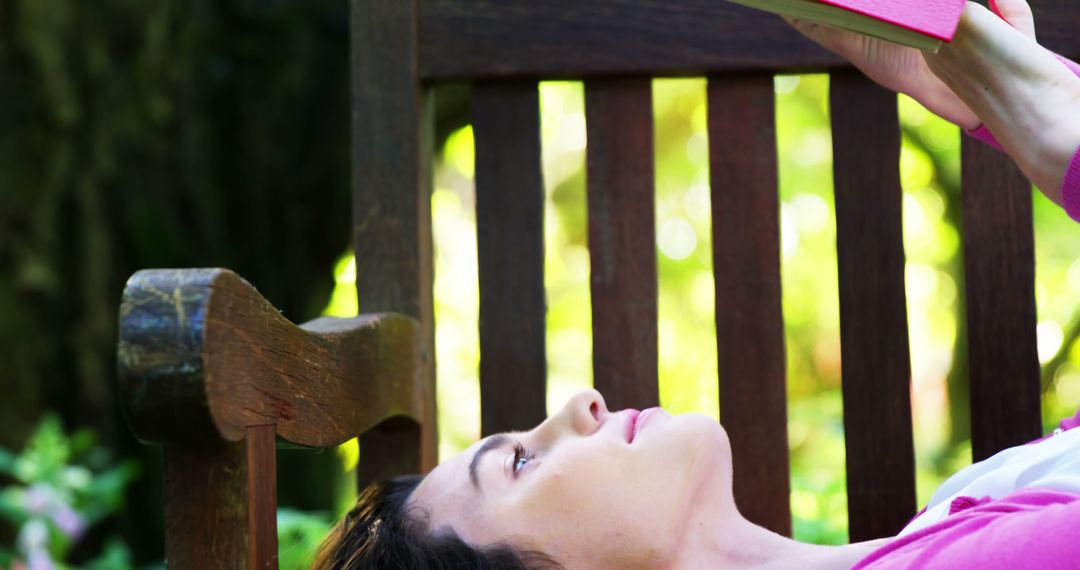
[(700, 439), (709, 431)]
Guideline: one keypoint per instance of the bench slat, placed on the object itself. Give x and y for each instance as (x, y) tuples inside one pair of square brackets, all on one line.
[(999, 267), (569, 38), (205, 500), (381, 454), (622, 246), (749, 317), (510, 243), (560, 38), (873, 309), (262, 497), (392, 133)]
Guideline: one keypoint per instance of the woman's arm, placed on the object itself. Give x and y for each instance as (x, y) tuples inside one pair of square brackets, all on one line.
[(1022, 93), (993, 78), (984, 134)]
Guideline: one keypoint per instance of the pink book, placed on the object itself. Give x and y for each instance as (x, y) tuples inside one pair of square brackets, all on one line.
[(922, 24)]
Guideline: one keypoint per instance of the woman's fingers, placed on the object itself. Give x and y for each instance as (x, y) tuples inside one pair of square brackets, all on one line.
[(806, 28), (1017, 13), (842, 43), (892, 66), (889, 64)]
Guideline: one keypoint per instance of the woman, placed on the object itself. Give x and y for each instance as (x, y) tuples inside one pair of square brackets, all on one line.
[(592, 488)]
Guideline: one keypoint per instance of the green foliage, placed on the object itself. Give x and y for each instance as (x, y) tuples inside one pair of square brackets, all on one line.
[(299, 535), (158, 134), (169, 133), (63, 485)]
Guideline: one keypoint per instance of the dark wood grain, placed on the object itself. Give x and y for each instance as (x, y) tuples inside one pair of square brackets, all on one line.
[(622, 243), (749, 318), (387, 450), (205, 361), (569, 38), (262, 497), (510, 243), (319, 384), (393, 126), (561, 38), (1057, 22), (999, 266), (206, 505), (162, 321), (873, 310)]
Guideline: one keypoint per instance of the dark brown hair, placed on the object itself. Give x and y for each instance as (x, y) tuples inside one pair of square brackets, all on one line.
[(381, 532)]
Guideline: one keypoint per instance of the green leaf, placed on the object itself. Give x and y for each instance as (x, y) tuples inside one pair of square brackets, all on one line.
[(45, 454), (299, 535), (115, 557), (7, 462), (11, 506)]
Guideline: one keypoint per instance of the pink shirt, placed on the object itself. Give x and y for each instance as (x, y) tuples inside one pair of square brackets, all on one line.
[(1070, 188), (1027, 529)]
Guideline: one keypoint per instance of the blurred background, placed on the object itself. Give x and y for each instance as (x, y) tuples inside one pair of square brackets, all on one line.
[(192, 134)]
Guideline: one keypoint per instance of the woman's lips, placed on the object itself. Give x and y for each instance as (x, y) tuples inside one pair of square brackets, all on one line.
[(640, 419), (631, 421)]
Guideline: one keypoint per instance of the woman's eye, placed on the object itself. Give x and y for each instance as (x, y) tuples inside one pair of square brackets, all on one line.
[(521, 457)]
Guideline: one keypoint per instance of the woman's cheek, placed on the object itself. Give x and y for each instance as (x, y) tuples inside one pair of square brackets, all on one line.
[(558, 491)]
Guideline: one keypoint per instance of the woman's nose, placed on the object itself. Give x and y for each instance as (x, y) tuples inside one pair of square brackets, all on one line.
[(584, 412)]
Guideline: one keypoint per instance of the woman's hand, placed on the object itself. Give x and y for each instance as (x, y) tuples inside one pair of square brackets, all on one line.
[(904, 69)]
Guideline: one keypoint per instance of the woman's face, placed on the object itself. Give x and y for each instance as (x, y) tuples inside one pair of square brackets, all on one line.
[(589, 487)]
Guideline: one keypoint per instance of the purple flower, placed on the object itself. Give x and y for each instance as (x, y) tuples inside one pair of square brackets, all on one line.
[(38, 498), (69, 522), (39, 559)]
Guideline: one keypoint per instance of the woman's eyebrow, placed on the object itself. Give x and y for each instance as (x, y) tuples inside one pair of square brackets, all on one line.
[(492, 443)]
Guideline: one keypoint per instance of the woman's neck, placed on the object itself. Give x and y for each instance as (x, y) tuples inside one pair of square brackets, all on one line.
[(727, 540)]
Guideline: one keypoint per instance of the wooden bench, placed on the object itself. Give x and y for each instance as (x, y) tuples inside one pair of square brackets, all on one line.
[(212, 372)]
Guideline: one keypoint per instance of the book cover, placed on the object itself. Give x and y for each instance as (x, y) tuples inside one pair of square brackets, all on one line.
[(933, 18), (922, 24)]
